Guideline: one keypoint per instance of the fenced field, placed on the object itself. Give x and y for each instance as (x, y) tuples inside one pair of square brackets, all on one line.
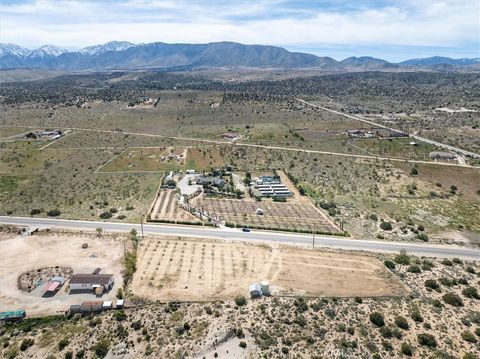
[(290, 215)]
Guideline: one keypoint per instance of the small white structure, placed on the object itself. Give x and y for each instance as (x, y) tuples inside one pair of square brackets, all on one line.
[(259, 212), (255, 290), (169, 177), (265, 287), (190, 172), (107, 304), (119, 304)]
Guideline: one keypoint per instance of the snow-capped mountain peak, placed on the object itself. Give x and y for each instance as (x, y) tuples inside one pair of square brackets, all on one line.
[(109, 46), (12, 49), (47, 51)]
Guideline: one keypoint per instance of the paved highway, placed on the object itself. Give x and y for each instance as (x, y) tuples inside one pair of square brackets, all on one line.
[(426, 249)]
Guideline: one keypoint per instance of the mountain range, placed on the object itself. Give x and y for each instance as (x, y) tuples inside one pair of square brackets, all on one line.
[(123, 55)]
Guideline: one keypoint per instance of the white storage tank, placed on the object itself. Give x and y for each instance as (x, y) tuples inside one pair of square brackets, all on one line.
[(265, 286)]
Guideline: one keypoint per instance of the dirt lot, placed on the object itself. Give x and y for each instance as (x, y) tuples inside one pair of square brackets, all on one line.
[(20, 254), (198, 270)]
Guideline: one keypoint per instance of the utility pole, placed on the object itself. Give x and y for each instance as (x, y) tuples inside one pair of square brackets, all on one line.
[(313, 238)]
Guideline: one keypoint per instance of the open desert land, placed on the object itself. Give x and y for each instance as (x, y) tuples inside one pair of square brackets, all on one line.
[(356, 305), (356, 188), (32, 253), (199, 270)]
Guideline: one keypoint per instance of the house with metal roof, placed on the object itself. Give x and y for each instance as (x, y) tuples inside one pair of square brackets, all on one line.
[(87, 282)]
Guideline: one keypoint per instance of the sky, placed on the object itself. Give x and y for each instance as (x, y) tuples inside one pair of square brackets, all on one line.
[(394, 30)]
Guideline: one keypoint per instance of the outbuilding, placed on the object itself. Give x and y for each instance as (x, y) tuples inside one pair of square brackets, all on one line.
[(88, 282), (120, 303), (255, 290)]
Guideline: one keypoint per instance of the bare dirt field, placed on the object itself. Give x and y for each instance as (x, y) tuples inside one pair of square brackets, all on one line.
[(197, 270), (20, 254)]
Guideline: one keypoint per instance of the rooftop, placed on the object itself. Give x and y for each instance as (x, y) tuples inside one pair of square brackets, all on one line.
[(100, 279)]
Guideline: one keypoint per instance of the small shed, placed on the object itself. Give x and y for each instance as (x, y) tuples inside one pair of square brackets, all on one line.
[(265, 287), (255, 290), (107, 304), (119, 304)]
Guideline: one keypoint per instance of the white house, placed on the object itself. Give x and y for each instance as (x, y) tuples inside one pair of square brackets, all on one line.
[(85, 282)]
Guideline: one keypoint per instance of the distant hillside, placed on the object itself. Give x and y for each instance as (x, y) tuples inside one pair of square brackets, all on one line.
[(439, 60), (367, 62), (123, 55)]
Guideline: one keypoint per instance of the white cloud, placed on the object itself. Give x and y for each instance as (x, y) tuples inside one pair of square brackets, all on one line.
[(71, 24)]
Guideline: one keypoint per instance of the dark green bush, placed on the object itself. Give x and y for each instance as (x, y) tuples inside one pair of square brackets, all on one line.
[(402, 322), (423, 237), (453, 299), (471, 292), (377, 319), (54, 212), (416, 316), (240, 300), (402, 258), (105, 215), (469, 336), (62, 344), (407, 349), (432, 284), (427, 340), (101, 348), (389, 264), (386, 226), (414, 269)]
